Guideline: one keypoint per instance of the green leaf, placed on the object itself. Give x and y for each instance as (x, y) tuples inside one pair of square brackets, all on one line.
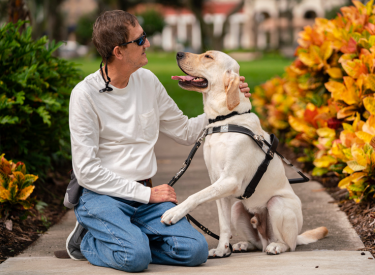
[(319, 171)]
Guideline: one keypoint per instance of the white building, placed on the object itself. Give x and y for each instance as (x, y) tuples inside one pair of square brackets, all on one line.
[(182, 28)]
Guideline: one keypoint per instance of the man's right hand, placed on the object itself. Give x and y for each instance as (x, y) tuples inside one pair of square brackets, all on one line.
[(163, 193)]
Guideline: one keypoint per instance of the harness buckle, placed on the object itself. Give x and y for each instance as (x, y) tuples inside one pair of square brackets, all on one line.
[(224, 128), (200, 139)]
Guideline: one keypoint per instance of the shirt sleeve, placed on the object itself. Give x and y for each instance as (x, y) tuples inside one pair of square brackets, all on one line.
[(84, 133), (174, 123)]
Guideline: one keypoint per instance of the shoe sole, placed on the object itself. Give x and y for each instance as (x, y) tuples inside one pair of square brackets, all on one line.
[(67, 242)]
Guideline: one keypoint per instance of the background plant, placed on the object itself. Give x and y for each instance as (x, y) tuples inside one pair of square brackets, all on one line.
[(325, 102), (34, 98)]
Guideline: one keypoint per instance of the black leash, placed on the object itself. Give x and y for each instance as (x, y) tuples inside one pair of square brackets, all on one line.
[(267, 148)]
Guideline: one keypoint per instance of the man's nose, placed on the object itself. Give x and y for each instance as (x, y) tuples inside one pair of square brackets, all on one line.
[(180, 55)]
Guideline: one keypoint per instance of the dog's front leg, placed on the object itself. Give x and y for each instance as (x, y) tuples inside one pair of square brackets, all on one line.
[(223, 187), (223, 249)]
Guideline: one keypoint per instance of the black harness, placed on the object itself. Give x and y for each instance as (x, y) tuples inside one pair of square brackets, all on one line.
[(268, 148)]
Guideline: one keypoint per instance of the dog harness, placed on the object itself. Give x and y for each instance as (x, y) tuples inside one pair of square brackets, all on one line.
[(268, 148)]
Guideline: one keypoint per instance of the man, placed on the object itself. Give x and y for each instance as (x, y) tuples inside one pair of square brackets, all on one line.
[(115, 116)]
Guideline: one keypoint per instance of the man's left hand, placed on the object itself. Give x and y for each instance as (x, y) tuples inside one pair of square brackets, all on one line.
[(244, 87)]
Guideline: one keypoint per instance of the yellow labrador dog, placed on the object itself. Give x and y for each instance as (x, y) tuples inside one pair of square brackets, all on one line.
[(271, 219)]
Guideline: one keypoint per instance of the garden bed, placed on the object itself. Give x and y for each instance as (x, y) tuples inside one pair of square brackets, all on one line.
[(25, 232)]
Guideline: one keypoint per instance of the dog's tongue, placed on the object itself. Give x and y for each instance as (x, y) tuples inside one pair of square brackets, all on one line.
[(184, 77)]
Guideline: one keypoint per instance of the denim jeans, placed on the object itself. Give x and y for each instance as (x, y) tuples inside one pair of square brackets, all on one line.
[(128, 235)]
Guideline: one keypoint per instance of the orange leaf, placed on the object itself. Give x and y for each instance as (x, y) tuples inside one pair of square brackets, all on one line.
[(350, 47)]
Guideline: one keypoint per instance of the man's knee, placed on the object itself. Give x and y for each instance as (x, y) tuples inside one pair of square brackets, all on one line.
[(134, 261), (198, 251)]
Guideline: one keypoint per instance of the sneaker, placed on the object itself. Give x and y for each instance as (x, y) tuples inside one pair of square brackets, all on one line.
[(73, 242)]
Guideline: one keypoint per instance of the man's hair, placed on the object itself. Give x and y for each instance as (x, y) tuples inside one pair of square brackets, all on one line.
[(110, 30)]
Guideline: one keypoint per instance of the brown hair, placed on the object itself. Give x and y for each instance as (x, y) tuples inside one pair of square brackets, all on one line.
[(110, 30)]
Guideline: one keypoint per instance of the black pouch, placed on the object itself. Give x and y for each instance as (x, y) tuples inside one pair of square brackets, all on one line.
[(73, 192)]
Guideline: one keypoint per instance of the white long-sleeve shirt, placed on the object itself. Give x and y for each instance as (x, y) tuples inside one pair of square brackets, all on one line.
[(113, 134)]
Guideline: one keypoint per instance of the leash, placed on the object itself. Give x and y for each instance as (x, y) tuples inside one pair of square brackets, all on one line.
[(268, 148)]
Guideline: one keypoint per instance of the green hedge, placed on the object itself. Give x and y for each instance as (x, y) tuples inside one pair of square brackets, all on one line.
[(34, 98)]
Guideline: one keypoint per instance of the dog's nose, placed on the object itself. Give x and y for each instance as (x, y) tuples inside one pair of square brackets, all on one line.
[(180, 55)]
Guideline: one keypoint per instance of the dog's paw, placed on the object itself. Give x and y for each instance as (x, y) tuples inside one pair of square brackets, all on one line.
[(243, 247), (219, 253), (173, 215), (274, 248)]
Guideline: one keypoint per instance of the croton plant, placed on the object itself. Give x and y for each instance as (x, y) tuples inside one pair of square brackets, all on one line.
[(15, 187), (325, 102)]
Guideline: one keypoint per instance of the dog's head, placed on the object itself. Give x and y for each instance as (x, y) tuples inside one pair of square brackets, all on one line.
[(210, 72)]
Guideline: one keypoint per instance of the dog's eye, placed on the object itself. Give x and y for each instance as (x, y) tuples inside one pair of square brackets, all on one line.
[(207, 56)]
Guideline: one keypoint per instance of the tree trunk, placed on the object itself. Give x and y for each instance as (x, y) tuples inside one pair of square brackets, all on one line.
[(17, 11)]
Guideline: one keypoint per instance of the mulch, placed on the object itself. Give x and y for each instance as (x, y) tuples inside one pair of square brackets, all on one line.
[(25, 232)]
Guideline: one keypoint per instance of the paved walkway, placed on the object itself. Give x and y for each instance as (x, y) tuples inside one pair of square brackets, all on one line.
[(336, 254)]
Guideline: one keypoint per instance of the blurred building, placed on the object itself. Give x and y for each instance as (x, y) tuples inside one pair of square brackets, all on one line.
[(256, 25), (73, 10)]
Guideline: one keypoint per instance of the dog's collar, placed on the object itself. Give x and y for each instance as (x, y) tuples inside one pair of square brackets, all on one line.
[(220, 118)]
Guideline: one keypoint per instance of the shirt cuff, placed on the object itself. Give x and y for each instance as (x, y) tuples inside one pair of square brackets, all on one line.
[(142, 193)]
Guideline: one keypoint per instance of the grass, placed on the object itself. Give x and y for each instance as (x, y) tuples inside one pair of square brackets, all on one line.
[(163, 65)]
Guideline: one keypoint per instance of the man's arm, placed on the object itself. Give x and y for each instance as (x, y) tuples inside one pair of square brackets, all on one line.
[(84, 132), (173, 122)]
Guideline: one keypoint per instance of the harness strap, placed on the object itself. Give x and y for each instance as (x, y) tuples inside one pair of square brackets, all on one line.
[(267, 148)]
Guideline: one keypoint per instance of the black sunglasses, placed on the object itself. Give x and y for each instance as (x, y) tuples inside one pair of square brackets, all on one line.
[(140, 41)]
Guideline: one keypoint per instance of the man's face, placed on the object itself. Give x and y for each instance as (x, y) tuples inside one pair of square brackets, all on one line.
[(135, 55)]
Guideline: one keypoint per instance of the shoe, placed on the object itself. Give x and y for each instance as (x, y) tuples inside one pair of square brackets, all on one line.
[(73, 242)]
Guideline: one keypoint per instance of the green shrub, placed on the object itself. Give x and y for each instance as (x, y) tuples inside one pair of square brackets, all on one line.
[(84, 28), (34, 99), (151, 21)]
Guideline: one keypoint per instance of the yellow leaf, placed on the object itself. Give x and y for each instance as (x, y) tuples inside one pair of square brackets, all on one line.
[(326, 132), (336, 88), (347, 112), (306, 59), (359, 155), (348, 127), (369, 103), (369, 126), (25, 193), (324, 161), (18, 178), (364, 136), (4, 194), (370, 81), (300, 125), (344, 183), (348, 170), (326, 50), (353, 164), (335, 72)]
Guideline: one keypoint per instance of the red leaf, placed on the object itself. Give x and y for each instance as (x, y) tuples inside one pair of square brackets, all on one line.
[(334, 123), (370, 28), (350, 47), (309, 116)]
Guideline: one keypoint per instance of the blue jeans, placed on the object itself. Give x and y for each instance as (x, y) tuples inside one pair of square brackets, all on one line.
[(128, 235)]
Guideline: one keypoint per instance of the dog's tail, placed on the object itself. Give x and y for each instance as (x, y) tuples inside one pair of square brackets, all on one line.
[(312, 236)]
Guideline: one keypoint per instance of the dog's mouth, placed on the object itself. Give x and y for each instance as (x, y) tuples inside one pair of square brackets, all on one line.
[(188, 80)]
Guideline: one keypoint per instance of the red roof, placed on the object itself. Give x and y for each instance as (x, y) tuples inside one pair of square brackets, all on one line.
[(209, 8)]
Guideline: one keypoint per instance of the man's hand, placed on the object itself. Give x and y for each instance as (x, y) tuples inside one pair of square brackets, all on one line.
[(163, 193), (244, 87)]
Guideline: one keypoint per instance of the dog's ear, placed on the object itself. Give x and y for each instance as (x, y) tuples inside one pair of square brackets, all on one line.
[(231, 83)]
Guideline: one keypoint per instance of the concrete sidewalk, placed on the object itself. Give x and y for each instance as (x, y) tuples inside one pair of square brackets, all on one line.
[(336, 254)]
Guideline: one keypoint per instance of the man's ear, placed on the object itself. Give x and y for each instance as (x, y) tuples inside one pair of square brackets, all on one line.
[(231, 83)]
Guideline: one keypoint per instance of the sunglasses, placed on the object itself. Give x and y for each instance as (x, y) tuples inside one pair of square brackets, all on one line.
[(140, 41)]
